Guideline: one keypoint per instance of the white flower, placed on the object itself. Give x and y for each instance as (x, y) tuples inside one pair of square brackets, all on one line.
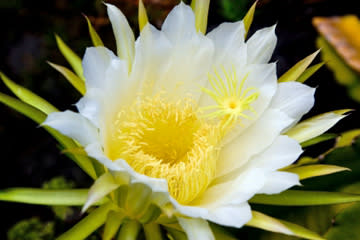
[(200, 119)]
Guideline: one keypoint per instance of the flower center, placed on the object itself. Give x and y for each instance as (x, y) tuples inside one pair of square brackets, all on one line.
[(167, 140)]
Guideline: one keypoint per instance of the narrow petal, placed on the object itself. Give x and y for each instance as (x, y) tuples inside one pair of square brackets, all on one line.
[(124, 36), (196, 228), (261, 45), (279, 181), (294, 99), (90, 105), (74, 126)]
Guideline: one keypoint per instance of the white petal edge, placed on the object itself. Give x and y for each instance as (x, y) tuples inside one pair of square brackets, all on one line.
[(196, 229), (293, 98), (74, 126), (261, 45), (124, 36), (278, 182)]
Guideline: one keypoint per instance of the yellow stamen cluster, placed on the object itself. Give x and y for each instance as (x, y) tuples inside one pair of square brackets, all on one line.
[(232, 99), (167, 140)]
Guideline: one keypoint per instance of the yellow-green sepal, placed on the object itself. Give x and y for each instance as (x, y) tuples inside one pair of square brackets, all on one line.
[(309, 72), (73, 59), (295, 72), (74, 80), (39, 117), (249, 17), (28, 97), (304, 198), (112, 224), (95, 38), (315, 126), (142, 16), (201, 10), (88, 224), (316, 170), (262, 221), (50, 197)]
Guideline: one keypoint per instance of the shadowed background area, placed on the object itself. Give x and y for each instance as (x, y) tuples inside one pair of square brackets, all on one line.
[(29, 156)]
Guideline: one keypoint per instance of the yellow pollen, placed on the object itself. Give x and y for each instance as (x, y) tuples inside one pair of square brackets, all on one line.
[(232, 98), (167, 140)]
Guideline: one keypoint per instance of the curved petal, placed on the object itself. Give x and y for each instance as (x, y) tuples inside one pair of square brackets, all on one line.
[(230, 48), (252, 141), (294, 99), (282, 152), (261, 45), (277, 182), (74, 126), (90, 105), (179, 25), (124, 36), (196, 228)]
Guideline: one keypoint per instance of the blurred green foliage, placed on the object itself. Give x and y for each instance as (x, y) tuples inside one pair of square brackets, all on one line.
[(233, 9), (32, 229)]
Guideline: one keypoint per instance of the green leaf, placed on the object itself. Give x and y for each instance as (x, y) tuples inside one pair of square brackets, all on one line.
[(39, 117), (73, 59), (322, 138), (262, 221), (304, 198), (96, 40), (315, 170), (74, 80), (309, 72), (88, 224), (249, 17), (28, 97), (52, 197), (295, 72)]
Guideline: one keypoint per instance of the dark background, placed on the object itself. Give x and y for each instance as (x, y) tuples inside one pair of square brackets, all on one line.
[(29, 156)]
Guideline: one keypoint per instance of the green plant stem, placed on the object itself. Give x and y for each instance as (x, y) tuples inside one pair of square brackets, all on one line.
[(152, 231), (129, 230)]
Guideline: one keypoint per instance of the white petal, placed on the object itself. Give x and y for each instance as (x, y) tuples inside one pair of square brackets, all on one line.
[(124, 36), (283, 152), (74, 126), (314, 127), (90, 105), (294, 99), (252, 141), (261, 45), (179, 25), (231, 215), (196, 229), (95, 151), (230, 48), (279, 181), (95, 64)]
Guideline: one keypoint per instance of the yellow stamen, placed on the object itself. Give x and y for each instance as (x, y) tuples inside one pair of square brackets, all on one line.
[(233, 101), (167, 140)]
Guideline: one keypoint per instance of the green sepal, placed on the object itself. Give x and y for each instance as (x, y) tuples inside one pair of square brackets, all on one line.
[(315, 170), (95, 38), (309, 72), (322, 138), (295, 72), (39, 117), (73, 59), (304, 198), (88, 224), (51, 197), (249, 17), (262, 221), (73, 79), (28, 97)]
